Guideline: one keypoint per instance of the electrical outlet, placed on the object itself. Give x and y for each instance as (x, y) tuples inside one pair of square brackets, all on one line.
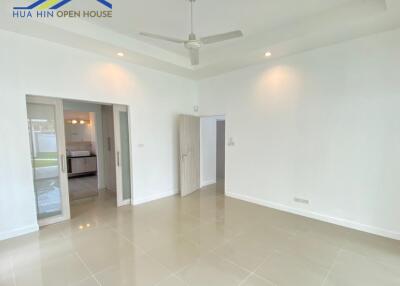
[(302, 201)]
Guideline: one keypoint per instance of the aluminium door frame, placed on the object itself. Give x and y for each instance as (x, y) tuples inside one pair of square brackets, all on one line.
[(61, 150), (117, 108)]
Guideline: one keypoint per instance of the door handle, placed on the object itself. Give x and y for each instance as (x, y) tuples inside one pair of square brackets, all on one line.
[(118, 159), (62, 159)]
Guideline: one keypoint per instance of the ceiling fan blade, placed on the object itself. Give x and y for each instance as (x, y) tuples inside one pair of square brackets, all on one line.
[(194, 56), (159, 37), (221, 37)]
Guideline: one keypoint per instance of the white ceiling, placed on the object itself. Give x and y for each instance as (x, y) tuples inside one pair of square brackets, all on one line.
[(282, 26), (172, 17)]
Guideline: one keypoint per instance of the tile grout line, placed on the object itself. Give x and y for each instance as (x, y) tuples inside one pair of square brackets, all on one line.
[(332, 266), (127, 239), (87, 268), (172, 273), (254, 272)]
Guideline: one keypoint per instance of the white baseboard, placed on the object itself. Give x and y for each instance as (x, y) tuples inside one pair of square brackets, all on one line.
[(207, 183), (317, 216), (153, 197), (19, 231)]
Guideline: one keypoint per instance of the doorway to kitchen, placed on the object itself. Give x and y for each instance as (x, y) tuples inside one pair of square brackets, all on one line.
[(80, 151), (84, 157)]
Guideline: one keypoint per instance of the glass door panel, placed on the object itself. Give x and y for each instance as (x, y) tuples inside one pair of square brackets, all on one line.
[(122, 155), (125, 155), (48, 163)]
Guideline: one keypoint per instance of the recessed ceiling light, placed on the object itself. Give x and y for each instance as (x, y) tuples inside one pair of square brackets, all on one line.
[(268, 54), (120, 54)]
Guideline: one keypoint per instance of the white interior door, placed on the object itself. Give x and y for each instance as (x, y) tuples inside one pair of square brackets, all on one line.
[(122, 155), (189, 139), (47, 141)]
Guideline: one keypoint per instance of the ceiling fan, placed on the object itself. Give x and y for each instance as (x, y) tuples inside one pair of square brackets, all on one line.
[(193, 44)]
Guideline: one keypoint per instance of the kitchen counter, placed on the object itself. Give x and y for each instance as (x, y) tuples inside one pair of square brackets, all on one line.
[(82, 166), (73, 157)]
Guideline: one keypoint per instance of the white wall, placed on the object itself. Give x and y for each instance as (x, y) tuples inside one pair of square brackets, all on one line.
[(322, 125), (31, 66), (96, 109), (208, 149)]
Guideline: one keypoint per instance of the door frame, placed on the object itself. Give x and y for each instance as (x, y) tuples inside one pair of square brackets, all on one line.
[(61, 150), (117, 108), (60, 126)]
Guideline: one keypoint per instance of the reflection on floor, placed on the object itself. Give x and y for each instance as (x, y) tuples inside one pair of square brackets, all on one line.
[(82, 187), (202, 239)]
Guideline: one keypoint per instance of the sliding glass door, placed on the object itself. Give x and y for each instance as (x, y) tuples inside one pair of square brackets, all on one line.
[(122, 156), (46, 130)]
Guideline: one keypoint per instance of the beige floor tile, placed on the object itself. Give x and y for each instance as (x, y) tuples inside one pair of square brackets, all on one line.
[(90, 281), (264, 240), (78, 225), (103, 247), (243, 252), (288, 270), (141, 271), (353, 270), (172, 281), (208, 214), (41, 252), (176, 224), (287, 222), (177, 254), (238, 222), (327, 232), (315, 250), (65, 270), (255, 280), (146, 238), (210, 235), (378, 248), (206, 237), (212, 270), (45, 235)]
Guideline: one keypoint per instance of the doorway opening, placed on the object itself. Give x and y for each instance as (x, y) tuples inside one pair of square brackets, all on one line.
[(80, 151), (84, 159), (212, 150), (202, 153)]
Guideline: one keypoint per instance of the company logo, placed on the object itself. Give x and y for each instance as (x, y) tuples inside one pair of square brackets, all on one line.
[(46, 9)]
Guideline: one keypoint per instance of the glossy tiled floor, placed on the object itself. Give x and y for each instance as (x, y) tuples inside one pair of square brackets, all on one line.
[(82, 187), (205, 239)]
